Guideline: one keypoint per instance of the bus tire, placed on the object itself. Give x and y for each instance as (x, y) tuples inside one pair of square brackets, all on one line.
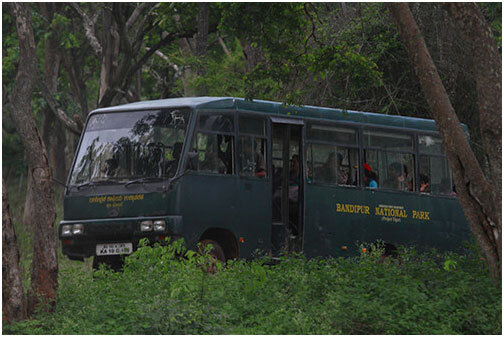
[(217, 252), (226, 240)]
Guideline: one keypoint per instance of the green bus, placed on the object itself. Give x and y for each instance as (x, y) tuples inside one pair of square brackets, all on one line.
[(256, 177)]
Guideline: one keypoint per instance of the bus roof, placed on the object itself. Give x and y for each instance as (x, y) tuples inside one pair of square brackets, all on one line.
[(276, 108)]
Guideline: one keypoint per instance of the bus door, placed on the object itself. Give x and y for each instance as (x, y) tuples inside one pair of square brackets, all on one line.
[(288, 178)]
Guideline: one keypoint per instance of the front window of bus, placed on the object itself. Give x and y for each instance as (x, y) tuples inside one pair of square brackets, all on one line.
[(121, 146)]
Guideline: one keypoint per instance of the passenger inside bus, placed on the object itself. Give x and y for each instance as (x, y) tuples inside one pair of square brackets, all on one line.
[(252, 161), (397, 178), (370, 178), (212, 162), (171, 166), (424, 184), (333, 171), (294, 179)]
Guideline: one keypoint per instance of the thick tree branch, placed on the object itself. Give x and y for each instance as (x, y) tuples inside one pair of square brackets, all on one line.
[(125, 77), (136, 13), (73, 126), (77, 83), (178, 71), (223, 45), (89, 28)]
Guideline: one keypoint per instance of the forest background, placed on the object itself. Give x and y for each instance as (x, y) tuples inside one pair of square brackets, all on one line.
[(345, 55)]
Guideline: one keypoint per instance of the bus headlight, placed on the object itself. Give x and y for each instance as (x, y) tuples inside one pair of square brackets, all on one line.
[(146, 226), (66, 230), (78, 229), (159, 225), (69, 230)]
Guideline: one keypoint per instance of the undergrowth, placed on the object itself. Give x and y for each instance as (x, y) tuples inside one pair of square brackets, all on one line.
[(164, 289)]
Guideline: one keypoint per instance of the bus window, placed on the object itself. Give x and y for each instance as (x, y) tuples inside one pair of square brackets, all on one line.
[(222, 123), (331, 134), (332, 155), (128, 145), (333, 164), (388, 140), (394, 170), (212, 147), (433, 166), (251, 156), (389, 160), (252, 146), (212, 150)]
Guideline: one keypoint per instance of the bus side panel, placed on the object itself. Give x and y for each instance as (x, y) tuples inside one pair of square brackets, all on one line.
[(207, 201), (240, 205), (332, 233), (253, 218), (338, 219)]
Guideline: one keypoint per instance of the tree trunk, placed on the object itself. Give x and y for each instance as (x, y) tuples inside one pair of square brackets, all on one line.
[(476, 194), (13, 298), (110, 55), (202, 34), (29, 204), (55, 141), (44, 268), (202, 43), (253, 55), (74, 68), (488, 72), (53, 133)]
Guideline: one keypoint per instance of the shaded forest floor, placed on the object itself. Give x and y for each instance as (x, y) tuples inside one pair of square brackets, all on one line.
[(164, 290)]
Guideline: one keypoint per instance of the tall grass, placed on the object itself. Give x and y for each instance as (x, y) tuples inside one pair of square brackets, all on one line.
[(165, 290)]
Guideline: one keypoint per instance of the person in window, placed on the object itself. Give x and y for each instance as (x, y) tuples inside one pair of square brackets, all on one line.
[(308, 174), (253, 166), (294, 179), (294, 169), (212, 162), (332, 170), (171, 166), (397, 174), (408, 185), (370, 178), (424, 183)]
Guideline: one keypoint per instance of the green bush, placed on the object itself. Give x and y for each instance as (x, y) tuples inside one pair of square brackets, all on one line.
[(164, 289)]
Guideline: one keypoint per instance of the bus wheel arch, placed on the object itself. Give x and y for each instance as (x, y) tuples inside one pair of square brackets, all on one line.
[(226, 240)]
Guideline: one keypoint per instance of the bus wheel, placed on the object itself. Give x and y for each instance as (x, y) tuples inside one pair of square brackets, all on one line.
[(216, 254)]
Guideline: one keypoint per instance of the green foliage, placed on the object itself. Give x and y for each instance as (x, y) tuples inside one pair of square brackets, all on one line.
[(10, 49), (164, 290), (345, 55), (493, 14), (222, 75)]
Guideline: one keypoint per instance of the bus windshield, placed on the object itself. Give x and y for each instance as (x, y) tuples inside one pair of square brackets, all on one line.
[(121, 146)]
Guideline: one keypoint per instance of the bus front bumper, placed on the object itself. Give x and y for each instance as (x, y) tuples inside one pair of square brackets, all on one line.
[(119, 236)]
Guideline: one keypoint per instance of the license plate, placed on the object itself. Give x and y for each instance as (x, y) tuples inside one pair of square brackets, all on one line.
[(114, 248)]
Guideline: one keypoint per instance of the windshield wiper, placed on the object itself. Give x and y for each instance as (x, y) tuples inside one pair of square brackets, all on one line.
[(94, 183), (88, 184), (143, 180)]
